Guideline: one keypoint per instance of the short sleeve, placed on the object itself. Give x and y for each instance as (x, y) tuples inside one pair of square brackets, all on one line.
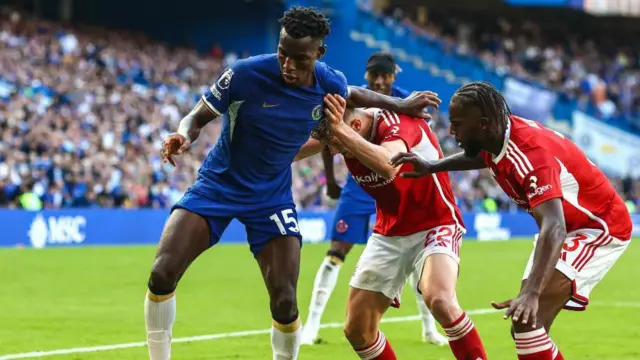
[(541, 184), (226, 89), (335, 82), (397, 127)]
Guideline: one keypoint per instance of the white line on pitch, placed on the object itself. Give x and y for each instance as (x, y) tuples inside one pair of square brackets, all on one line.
[(36, 354)]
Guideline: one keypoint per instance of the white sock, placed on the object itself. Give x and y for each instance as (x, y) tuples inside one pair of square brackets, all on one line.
[(428, 321), (159, 315), (285, 340), (323, 286)]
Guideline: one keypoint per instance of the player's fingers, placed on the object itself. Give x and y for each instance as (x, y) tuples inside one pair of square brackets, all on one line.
[(331, 102), (501, 305), (401, 158), (510, 310), (517, 313), (341, 101), (171, 161), (410, 175), (525, 315)]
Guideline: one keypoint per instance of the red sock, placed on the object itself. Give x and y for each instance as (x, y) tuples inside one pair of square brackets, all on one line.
[(464, 339), (380, 350), (557, 355), (534, 345)]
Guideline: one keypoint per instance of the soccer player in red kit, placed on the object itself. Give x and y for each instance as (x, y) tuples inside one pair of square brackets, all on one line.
[(584, 224), (418, 226)]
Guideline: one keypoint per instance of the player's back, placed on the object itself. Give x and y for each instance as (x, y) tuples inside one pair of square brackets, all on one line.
[(406, 206), (589, 199), (265, 123)]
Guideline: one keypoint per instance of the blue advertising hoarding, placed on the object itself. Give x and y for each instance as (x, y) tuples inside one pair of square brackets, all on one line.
[(91, 227)]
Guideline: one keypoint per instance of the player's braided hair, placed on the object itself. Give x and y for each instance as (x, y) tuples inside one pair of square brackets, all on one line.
[(301, 22), (487, 98)]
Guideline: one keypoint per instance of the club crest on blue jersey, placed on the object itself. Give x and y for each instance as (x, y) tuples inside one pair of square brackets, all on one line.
[(342, 226), (316, 113)]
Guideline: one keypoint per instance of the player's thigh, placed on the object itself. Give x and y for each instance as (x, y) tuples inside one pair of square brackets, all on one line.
[(586, 257), (185, 236), (381, 268), (365, 309)]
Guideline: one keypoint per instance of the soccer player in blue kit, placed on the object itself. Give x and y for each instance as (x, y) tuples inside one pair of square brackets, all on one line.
[(353, 213), (269, 106)]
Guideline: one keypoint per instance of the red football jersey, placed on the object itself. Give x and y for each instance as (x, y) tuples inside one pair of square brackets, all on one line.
[(537, 164), (407, 206)]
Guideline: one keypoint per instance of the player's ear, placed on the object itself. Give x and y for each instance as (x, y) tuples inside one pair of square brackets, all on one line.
[(322, 50), (356, 124), (484, 123)]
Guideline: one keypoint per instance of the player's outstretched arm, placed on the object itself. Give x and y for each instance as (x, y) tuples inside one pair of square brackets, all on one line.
[(414, 105), (191, 124), (310, 148), (188, 131), (550, 215), (457, 162)]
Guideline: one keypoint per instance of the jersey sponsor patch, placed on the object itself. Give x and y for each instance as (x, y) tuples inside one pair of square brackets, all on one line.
[(535, 190)]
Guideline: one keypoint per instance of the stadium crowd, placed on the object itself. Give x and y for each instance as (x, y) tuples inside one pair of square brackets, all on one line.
[(83, 114), (600, 74)]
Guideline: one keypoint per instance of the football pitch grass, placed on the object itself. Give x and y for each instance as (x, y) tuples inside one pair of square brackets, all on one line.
[(73, 298)]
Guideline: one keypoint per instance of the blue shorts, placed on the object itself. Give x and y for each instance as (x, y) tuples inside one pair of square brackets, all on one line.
[(262, 223), (349, 226)]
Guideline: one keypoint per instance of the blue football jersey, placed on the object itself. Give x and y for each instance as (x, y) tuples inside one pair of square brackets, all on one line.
[(265, 122), (359, 202)]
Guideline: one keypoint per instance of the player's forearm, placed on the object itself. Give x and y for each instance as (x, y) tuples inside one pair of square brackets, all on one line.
[(548, 248), (458, 162), (190, 125), (310, 148), (361, 97), (373, 156), (327, 159)]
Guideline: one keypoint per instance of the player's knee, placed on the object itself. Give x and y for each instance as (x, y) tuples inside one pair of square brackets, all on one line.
[(440, 302), (283, 304), (360, 334), (164, 275)]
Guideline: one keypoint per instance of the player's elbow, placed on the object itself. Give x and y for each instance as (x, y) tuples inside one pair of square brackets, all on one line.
[(388, 172)]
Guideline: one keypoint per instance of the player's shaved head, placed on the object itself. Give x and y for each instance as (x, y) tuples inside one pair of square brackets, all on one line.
[(479, 114)]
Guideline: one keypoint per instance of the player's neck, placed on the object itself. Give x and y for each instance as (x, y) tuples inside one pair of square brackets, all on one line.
[(496, 145)]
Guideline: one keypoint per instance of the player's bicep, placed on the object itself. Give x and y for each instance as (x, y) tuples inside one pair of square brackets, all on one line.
[(395, 146), (542, 184)]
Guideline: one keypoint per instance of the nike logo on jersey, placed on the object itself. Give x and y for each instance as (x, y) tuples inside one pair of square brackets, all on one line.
[(265, 105)]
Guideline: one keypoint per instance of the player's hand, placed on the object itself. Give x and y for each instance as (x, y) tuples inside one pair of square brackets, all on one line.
[(523, 309), (421, 167), (417, 103), (334, 109), (174, 144), (333, 191)]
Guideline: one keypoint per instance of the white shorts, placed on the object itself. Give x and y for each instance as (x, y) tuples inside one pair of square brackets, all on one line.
[(587, 255), (387, 261)]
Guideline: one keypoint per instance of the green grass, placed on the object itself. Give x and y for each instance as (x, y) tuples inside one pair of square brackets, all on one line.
[(75, 297)]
